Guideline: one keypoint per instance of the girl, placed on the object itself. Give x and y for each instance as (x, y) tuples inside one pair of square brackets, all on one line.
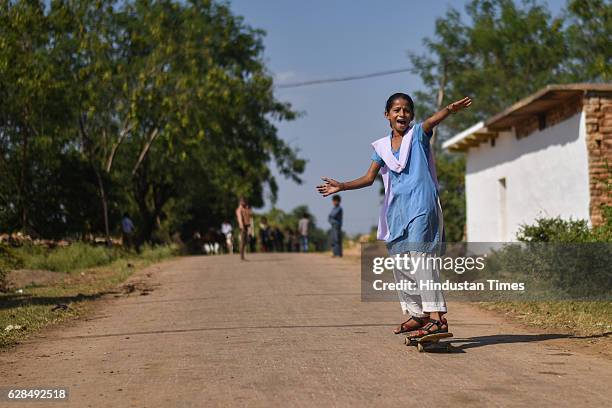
[(411, 217)]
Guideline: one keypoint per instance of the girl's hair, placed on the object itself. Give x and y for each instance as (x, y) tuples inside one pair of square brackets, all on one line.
[(396, 96)]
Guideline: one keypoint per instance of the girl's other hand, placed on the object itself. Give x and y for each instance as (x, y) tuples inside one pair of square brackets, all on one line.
[(331, 186), (460, 104)]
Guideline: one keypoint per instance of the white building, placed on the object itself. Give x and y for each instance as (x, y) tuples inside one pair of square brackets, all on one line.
[(548, 155)]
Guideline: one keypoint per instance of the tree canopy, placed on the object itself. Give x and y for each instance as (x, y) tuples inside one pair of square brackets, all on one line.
[(502, 52), (162, 109)]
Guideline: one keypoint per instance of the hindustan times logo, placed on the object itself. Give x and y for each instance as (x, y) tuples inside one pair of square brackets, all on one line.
[(430, 285)]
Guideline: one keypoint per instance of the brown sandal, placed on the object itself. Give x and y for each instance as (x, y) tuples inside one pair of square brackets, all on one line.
[(403, 329), (432, 327)]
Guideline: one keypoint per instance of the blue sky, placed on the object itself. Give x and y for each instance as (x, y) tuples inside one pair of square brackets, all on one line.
[(317, 39)]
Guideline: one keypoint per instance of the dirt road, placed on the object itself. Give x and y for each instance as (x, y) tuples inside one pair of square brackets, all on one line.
[(290, 330)]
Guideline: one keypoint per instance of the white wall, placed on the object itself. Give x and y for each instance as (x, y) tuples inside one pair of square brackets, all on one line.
[(546, 175)]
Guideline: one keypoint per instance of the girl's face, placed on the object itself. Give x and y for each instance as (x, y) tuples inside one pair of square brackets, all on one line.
[(399, 115)]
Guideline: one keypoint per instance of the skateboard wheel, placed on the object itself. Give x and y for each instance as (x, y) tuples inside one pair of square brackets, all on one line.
[(420, 347), (410, 342)]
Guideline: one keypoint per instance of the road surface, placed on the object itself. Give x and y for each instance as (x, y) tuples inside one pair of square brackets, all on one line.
[(290, 330)]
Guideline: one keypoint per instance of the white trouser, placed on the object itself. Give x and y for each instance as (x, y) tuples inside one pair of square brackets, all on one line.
[(420, 302)]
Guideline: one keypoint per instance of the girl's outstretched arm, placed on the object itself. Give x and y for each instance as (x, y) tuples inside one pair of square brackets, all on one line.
[(332, 186), (438, 117)]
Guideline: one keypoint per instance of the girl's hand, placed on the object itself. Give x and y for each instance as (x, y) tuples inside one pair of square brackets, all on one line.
[(331, 186), (459, 105), (435, 119)]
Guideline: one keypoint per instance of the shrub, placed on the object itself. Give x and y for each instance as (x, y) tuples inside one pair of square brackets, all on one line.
[(564, 254), (157, 253), (555, 230), (67, 259)]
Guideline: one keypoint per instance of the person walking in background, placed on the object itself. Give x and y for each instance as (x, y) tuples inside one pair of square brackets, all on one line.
[(290, 239), (335, 219), (303, 229), (296, 241), (264, 234), (252, 238), (279, 240), (226, 230), (244, 217), (127, 231)]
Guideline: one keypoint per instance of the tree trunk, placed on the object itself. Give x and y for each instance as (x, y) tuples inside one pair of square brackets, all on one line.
[(147, 197), (145, 150), (439, 102), (90, 155), (23, 182), (104, 205)]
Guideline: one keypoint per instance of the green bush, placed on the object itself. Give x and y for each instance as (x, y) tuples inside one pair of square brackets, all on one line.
[(564, 255), (70, 258), (569, 231), (79, 255), (555, 230), (157, 253), (574, 270)]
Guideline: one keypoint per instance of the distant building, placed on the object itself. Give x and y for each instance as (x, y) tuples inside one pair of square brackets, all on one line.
[(548, 155)]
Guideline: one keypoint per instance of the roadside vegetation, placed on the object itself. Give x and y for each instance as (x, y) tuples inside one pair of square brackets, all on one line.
[(55, 285), (573, 261), (580, 318), (119, 118)]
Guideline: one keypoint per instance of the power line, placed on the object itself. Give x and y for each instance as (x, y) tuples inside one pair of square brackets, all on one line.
[(342, 79)]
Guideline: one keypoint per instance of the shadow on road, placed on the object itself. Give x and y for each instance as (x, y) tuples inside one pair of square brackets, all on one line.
[(480, 341), (12, 301)]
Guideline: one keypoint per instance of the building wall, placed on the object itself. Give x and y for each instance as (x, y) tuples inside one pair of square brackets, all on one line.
[(598, 112), (543, 174)]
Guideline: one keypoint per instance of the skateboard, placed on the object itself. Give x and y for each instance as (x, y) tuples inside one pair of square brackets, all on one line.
[(430, 341)]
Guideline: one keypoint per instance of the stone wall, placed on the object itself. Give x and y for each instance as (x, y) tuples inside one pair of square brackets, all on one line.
[(598, 115)]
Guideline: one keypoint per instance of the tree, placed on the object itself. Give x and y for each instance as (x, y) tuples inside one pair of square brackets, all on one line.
[(589, 36), (490, 57), (201, 110), (503, 53), (91, 42), (162, 108), (34, 108), (451, 170)]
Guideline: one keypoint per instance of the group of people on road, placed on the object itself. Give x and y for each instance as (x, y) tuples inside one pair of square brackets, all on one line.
[(273, 239)]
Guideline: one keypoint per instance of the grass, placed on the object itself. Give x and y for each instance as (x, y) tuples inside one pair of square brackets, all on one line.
[(581, 318), (84, 280), (72, 258), (79, 256)]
